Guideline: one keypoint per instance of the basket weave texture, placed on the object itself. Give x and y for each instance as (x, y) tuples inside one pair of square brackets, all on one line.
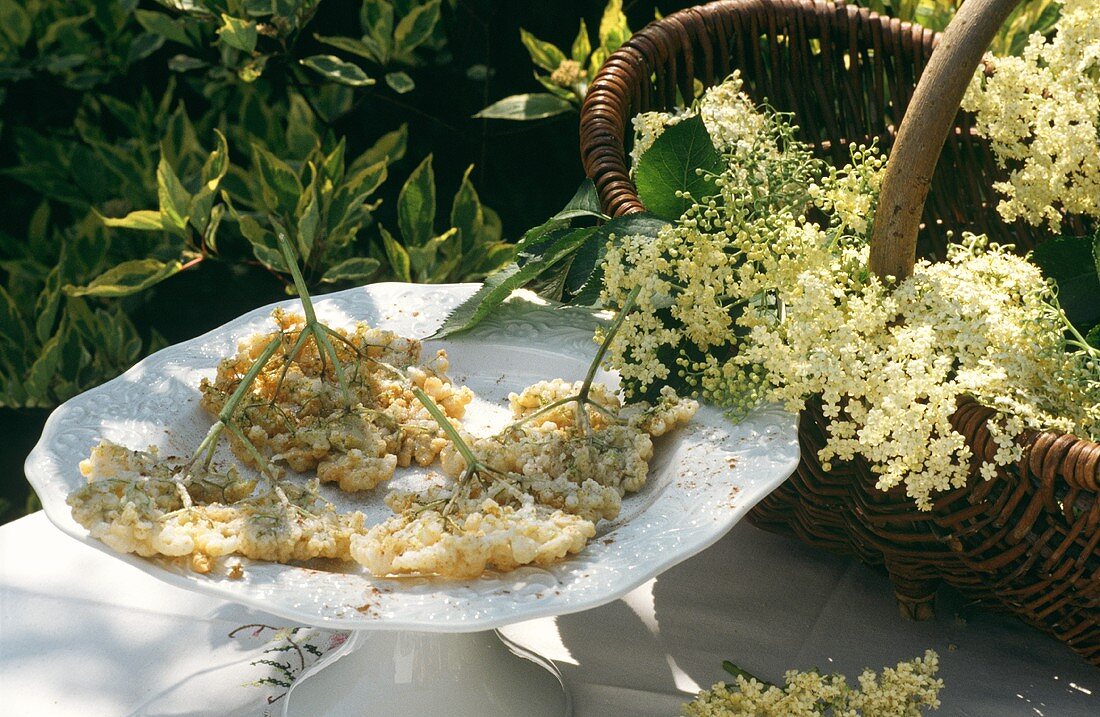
[(1025, 541)]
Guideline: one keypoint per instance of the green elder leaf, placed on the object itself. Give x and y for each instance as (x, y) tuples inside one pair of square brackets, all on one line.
[(400, 82), (354, 269), (499, 286), (238, 33), (416, 205), (542, 53), (337, 70), (1071, 263), (673, 164), (416, 27), (1094, 337), (143, 220), (538, 105), (127, 278)]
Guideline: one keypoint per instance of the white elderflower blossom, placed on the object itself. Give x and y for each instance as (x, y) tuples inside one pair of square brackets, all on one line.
[(1041, 113), (762, 291)]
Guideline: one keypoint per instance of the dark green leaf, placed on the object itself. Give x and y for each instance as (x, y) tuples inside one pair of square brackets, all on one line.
[(377, 20), (15, 23), (681, 159), (389, 147), (366, 48), (309, 217), (416, 27), (398, 257), (280, 184), (1071, 263), (354, 269), (174, 199), (47, 304), (499, 286), (43, 371), (525, 107), (467, 214), (1094, 337), (400, 82), (585, 203), (238, 33), (416, 205), (161, 24), (337, 70)]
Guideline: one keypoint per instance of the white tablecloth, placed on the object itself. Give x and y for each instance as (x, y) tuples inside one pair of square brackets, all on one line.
[(83, 634)]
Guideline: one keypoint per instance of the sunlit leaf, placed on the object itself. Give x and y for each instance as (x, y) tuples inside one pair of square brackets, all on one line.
[(400, 82), (525, 107), (416, 27), (337, 70), (238, 33), (542, 53), (127, 278), (354, 269)]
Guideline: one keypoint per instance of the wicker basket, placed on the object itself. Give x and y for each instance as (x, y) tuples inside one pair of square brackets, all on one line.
[(1025, 541)]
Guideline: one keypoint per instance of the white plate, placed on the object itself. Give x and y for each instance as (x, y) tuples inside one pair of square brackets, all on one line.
[(703, 478)]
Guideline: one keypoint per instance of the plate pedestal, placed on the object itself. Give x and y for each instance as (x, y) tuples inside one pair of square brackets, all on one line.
[(419, 674)]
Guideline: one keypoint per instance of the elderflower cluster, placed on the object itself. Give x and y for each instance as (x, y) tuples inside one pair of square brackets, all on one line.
[(903, 691), (1041, 113), (728, 114), (890, 367), (762, 291), (297, 412)]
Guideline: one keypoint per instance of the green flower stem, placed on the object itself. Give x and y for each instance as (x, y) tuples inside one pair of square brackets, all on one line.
[(294, 351), (448, 428), (265, 466), (627, 306), (291, 260), (226, 414)]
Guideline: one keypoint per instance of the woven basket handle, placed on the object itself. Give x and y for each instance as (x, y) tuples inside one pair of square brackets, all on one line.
[(923, 131)]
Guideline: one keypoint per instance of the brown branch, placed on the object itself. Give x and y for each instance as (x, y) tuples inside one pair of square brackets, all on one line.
[(924, 129)]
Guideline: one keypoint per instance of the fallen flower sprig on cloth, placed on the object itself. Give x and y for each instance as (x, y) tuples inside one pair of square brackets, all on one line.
[(906, 690)]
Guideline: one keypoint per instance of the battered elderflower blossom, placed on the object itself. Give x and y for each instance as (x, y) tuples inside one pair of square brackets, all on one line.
[(1041, 113), (762, 291), (904, 691)]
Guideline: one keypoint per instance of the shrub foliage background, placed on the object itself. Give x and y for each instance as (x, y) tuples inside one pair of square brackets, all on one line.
[(149, 152)]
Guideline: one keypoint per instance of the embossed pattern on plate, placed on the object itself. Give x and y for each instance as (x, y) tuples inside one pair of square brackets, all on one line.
[(702, 481)]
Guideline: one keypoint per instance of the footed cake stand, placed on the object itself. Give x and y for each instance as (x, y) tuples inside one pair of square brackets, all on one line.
[(426, 646)]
